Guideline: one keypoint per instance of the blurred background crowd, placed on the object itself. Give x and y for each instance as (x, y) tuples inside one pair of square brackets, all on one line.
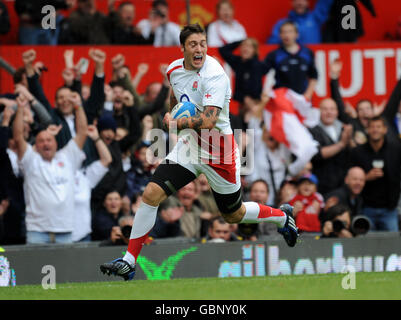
[(73, 165)]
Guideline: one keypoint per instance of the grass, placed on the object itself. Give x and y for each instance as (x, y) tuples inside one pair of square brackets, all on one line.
[(368, 286)]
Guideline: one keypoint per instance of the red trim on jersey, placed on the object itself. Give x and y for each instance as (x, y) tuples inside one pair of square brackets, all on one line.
[(266, 211), (224, 152), (171, 70)]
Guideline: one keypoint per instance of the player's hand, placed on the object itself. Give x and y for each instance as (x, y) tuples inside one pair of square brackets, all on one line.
[(169, 121)]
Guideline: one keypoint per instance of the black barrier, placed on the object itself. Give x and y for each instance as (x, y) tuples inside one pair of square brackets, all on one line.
[(80, 263)]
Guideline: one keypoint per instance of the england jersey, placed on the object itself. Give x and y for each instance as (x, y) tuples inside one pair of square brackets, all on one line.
[(209, 86), (216, 155)]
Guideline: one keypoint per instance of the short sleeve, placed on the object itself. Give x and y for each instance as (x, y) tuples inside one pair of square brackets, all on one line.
[(95, 172), (215, 90), (74, 154)]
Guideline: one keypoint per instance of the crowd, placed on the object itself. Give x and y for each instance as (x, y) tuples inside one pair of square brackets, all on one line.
[(75, 171)]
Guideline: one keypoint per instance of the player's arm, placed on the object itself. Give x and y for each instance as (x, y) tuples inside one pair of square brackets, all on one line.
[(173, 101), (203, 120)]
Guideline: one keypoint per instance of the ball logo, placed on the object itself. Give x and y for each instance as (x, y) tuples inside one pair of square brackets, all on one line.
[(183, 110)]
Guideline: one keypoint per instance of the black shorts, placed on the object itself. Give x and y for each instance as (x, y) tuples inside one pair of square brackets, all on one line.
[(171, 177)]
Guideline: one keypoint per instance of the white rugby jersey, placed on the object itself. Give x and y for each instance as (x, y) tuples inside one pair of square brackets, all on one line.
[(210, 86)]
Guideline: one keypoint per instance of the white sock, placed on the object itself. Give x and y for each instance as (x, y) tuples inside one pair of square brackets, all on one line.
[(144, 221), (256, 213)]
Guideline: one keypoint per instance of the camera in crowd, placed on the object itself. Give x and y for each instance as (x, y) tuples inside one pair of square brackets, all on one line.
[(126, 231)]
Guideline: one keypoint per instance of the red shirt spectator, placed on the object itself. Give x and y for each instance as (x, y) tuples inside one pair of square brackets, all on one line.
[(307, 205)]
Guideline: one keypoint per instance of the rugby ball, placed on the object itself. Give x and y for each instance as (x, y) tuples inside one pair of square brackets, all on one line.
[(184, 109)]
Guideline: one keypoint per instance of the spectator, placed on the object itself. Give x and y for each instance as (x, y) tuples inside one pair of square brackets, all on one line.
[(334, 31), (85, 25), (288, 189), (365, 110), (350, 194), (293, 63), (107, 216), (4, 19), (225, 29), (338, 223), (63, 114), (30, 16), (249, 71), (309, 22), (167, 223), (270, 163), (49, 177), (115, 178), (123, 30), (206, 198), (120, 234), (334, 140), (12, 203), (141, 171), (165, 32), (191, 221), (380, 158), (85, 180), (307, 204), (259, 192), (219, 231)]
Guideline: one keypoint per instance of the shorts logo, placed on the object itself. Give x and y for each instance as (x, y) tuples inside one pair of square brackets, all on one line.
[(195, 86)]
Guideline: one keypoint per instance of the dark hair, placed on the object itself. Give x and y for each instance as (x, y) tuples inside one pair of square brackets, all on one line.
[(337, 210), (378, 118), (259, 181), (125, 3), (291, 23), (157, 3), (189, 30), (59, 89), (219, 219), (18, 75), (364, 100)]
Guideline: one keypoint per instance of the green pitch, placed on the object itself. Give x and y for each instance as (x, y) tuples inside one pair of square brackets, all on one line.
[(368, 286)]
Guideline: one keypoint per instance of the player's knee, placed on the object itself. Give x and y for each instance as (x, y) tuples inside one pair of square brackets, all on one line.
[(153, 194), (234, 217), (231, 218)]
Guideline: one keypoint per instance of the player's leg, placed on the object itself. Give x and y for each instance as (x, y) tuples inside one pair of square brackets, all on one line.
[(167, 179), (234, 210)]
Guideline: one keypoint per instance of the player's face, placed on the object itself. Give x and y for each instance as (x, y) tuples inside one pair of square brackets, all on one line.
[(194, 50)]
